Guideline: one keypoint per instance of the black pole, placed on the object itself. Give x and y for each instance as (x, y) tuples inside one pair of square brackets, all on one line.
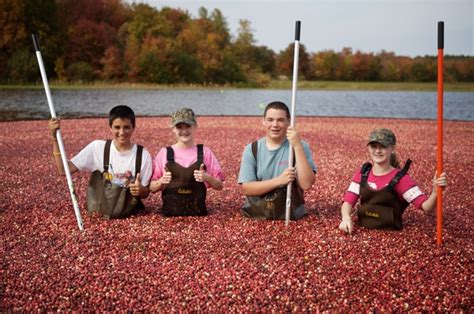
[(440, 35), (35, 42), (297, 30)]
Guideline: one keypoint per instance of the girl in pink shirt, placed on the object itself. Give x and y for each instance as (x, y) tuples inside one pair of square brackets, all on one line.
[(384, 185), (185, 170)]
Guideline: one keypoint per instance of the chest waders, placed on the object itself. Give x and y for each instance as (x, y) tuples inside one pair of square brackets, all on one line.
[(272, 206), (381, 209), (111, 200), (183, 196)]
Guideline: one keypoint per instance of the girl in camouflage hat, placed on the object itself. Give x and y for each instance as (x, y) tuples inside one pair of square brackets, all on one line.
[(184, 171), (385, 190)]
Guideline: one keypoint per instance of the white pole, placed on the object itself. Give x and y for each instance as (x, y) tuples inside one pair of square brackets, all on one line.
[(292, 119), (58, 134)]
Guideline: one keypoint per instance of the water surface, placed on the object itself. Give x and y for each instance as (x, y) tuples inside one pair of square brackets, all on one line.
[(31, 104)]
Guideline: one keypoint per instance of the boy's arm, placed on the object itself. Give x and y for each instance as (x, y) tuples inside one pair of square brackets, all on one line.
[(257, 188), (141, 186), (306, 176), (137, 189), (248, 177)]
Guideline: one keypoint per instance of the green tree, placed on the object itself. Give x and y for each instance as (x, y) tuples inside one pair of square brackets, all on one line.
[(152, 69), (423, 70), (187, 68), (219, 26), (243, 47), (265, 59), (23, 67), (80, 72)]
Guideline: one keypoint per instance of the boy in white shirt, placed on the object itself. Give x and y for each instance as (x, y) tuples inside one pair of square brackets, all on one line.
[(120, 170)]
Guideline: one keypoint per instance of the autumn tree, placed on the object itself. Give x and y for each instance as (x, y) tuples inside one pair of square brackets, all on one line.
[(84, 40), (18, 20), (285, 58), (324, 65)]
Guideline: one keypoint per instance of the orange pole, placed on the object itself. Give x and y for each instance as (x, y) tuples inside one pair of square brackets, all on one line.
[(439, 164)]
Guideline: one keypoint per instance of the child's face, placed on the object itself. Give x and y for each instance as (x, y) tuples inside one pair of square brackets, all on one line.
[(184, 133), (122, 130), (276, 124), (379, 153)]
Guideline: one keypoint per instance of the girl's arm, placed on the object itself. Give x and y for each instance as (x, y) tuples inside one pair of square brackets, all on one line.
[(346, 224), (430, 203), (202, 176), (215, 183), (158, 185)]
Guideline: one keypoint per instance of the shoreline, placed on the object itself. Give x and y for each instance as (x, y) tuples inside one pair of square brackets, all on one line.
[(274, 85), (239, 116)]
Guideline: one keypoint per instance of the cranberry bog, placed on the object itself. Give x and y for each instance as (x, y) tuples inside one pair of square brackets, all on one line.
[(225, 262)]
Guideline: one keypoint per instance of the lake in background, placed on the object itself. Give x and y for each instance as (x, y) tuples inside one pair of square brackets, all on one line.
[(32, 104)]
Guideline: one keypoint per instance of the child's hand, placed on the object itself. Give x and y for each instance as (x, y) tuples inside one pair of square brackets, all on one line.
[(440, 181), (166, 178), (346, 226), (293, 136), (157, 185), (288, 175), (136, 186), (53, 126), (201, 174)]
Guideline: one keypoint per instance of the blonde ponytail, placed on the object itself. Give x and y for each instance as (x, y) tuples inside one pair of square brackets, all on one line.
[(394, 162)]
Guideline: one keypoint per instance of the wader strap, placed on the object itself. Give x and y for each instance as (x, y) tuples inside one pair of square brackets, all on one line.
[(106, 155), (400, 174), (255, 149), (138, 159), (365, 173), (169, 154), (200, 154)]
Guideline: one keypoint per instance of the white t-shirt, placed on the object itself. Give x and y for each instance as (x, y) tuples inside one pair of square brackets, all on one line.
[(122, 164)]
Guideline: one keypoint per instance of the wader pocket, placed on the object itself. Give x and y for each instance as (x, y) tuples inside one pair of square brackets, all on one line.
[(110, 200), (272, 206), (379, 217), (184, 201)]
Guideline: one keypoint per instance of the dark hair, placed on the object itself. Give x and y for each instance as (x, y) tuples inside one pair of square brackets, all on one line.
[(277, 105), (122, 112)]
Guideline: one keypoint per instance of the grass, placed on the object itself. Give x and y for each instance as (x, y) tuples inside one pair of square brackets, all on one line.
[(377, 86), (275, 84)]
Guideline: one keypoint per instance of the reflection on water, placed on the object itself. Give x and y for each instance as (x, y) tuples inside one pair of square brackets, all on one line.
[(31, 104)]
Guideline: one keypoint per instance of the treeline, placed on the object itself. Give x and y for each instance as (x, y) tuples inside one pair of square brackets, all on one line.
[(88, 40)]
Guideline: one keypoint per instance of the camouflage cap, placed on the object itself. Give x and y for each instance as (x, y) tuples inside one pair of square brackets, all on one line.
[(183, 115), (382, 136)]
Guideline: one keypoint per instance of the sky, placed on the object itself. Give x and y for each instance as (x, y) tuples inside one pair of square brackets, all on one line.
[(405, 27)]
